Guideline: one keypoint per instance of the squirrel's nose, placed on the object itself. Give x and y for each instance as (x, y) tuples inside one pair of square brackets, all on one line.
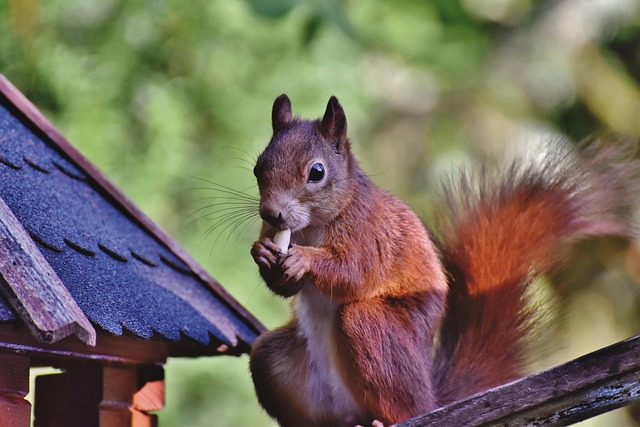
[(272, 216)]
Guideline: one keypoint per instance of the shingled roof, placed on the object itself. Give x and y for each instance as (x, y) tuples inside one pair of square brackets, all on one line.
[(120, 270)]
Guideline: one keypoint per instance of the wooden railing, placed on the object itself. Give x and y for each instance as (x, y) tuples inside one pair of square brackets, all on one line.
[(599, 382)]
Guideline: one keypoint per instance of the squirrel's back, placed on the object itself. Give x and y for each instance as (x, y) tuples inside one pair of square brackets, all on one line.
[(499, 234)]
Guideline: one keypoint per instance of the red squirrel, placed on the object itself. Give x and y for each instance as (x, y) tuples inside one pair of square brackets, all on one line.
[(389, 320)]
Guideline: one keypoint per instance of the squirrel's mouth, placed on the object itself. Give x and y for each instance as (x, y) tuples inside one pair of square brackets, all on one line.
[(288, 225), (291, 215)]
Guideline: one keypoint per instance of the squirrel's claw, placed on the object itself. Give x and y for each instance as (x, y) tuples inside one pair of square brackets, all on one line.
[(295, 264), (270, 262), (265, 253)]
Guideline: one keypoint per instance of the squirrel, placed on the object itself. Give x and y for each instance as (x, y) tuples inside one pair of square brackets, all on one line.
[(391, 320)]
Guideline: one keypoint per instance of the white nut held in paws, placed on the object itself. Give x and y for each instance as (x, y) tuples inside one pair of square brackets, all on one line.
[(282, 239)]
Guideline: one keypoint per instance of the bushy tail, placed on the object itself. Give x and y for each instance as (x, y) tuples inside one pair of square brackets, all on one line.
[(499, 235)]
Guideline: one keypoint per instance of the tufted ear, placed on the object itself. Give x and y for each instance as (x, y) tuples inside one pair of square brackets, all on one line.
[(334, 123), (281, 113)]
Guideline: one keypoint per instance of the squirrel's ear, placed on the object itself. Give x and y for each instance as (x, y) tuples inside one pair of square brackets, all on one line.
[(281, 113), (334, 122)]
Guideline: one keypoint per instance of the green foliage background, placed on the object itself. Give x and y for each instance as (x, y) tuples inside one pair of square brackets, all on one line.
[(163, 93)]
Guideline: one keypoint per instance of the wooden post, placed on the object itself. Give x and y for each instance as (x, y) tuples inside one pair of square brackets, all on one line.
[(15, 411), (130, 391), (119, 386)]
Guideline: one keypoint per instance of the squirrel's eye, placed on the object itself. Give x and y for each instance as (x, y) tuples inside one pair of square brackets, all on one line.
[(316, 173), (255, 171)]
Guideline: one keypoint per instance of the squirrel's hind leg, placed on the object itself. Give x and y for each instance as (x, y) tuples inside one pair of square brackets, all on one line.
[(290, 386), (387, 345), (278, 367)]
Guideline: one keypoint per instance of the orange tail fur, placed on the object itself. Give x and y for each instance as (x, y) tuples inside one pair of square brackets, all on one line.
[(501, 233)]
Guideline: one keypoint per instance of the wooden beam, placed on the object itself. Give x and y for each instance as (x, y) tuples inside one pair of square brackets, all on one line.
[(34, 289), (601, 381)]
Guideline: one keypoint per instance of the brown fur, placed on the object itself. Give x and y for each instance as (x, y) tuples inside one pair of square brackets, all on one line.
[(369, 291)]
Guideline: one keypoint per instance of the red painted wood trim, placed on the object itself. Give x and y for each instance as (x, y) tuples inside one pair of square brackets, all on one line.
[(108, 348)]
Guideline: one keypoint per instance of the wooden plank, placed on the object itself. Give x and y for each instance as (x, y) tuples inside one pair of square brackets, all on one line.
[(34, 290), (593, 384), (15, 411), (15, 97)]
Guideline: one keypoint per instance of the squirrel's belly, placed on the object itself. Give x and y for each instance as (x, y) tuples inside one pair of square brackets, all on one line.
[(316, 315)]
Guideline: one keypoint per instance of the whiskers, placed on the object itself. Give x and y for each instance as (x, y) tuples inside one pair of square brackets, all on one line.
[(227, 211)]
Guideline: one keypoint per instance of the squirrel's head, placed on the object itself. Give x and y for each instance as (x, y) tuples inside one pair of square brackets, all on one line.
[(304, 173)]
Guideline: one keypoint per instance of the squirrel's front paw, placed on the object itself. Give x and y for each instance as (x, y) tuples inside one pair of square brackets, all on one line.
[(265, 253), (270, 262), (296, 263)]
